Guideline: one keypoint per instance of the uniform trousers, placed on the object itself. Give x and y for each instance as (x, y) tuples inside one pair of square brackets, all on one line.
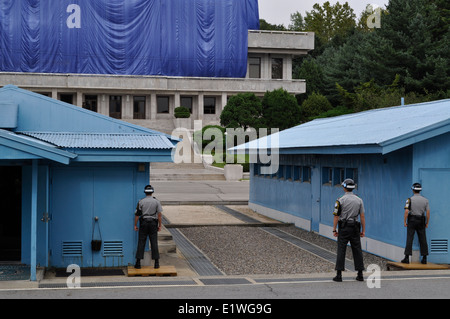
[(349, 233), (148, 228), (416, 224)]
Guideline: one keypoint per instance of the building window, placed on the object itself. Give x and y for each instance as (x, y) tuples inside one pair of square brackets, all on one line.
[(115, 106), (288, 173), (186, 101), (209, 105), (281, 172), (139, 107), (339, 176), (352, 173), (277, 68), (327, 176), (90, 103), (254, 68), (306, 174), (297, 173), (162, 103), (68, 98)]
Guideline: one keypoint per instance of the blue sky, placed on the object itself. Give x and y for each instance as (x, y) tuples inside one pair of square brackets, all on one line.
[(279, 11)]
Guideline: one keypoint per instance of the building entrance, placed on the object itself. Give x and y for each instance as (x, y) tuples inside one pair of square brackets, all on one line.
[(11, 213)]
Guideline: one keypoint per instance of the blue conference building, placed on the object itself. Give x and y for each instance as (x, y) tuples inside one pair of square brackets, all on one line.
[(384, 150), (68, 176)]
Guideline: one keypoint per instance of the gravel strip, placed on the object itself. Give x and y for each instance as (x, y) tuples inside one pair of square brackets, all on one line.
[(331, 245), (252, 251)]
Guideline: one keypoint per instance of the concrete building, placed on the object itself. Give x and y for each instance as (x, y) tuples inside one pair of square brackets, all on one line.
[(150, 101), (384, 150)]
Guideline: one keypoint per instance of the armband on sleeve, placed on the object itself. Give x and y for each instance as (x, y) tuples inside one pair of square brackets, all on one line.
[(138, 211), (408, 204), (337, 209)]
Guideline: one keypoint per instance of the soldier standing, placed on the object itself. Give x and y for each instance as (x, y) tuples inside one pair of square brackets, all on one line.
[(346, 212), (148, 212), (417, 217)]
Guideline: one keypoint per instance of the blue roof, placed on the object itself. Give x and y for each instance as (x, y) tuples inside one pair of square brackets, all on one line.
[(45, 127), (376, 131), (106, 140), (13, 146)]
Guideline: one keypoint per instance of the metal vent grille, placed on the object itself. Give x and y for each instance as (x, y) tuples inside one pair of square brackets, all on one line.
[(72, 248), (439, 246), (113, 248)]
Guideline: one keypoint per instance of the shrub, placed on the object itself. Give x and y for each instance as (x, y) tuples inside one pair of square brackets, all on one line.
[(182, 112)]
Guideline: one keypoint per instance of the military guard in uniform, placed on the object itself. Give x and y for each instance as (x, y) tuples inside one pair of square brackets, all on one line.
[(346, 212), (417, 216), (148, 213)]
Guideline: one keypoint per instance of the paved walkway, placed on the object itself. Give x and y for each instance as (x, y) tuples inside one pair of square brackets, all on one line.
[(204, 192)]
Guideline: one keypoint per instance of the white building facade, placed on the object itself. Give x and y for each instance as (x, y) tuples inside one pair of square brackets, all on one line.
[(149, 101)]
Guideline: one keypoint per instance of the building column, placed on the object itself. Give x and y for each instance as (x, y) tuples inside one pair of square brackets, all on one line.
[(201, 103), (79, 99), (103, 104), (148, 108), (127, 107), (34, 191), (153, 107), (177, 102), (223, 104)]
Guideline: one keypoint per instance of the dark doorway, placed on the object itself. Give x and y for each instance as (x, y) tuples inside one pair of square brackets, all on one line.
[(11, 213)]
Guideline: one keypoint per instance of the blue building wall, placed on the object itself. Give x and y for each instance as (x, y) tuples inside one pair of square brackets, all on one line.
[(77, 194), (431, 167), (383, 183)]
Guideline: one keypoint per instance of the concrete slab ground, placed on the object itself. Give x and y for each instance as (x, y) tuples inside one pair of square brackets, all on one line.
[(209, 215), (202, 192)]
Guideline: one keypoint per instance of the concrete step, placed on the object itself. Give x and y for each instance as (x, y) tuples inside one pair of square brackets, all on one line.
[(187, 177), (166, 244), (157, 166)]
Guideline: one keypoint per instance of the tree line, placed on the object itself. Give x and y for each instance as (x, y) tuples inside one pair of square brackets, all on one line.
[(355, 68)]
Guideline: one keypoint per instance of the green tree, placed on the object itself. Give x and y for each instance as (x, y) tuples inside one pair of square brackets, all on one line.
[(315, 105), (242, 110), (264, 25), (328, 20), (312, 72), (280, 110), (419, 33), (297, 22)]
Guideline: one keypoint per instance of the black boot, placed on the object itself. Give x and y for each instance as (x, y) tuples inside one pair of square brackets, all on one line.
[(405, 260), (338, 277), (424, 260), (156, 263), (360, 277), (138, 264)]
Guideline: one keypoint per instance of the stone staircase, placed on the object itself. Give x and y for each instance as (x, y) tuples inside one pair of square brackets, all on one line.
[(185, 172), (190, 169)]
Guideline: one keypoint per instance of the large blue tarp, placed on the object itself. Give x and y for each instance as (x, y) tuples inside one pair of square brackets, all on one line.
[(132, 37)]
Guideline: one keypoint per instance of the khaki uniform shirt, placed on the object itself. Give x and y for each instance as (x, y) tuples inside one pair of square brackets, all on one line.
[(417, 205), (148, 207), (348, 207)]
